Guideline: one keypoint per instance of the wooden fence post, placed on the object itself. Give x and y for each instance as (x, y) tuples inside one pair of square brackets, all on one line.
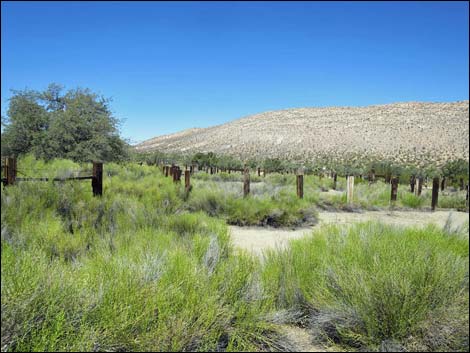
[(443, 184), (259, 171), (420, 186), (187, 182), (435, 193), (350, 189), (176, 174), (372, 176), (466, 197), (97, 181), (394, 183), (246, 182), (412, 183), (10, 171), (300, 186), (335, 178), (5, 172)]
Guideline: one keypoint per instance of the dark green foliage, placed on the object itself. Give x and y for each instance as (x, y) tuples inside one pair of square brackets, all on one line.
[(77, 125)]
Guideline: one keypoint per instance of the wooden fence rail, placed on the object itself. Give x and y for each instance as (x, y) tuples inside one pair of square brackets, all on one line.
[(10, 171)]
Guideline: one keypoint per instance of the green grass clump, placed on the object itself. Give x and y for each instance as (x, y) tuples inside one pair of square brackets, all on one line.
[(454, 200), (373, 284), (411, 200), (284, 209)]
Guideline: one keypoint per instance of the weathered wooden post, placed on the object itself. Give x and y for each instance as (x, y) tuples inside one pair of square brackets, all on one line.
[(5, 172), (176, 174), (412, 183), (372, 176), (187, 182), (420, 186), (443, 184), (259, 171), (466, 198), (435, 193), (300, 186), (246, 182), (394, 184), (350, 188), (10, 171), (335, 178), (97, 180)]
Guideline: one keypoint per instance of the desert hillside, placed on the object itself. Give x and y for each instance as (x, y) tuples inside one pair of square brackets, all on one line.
[(404, 132)]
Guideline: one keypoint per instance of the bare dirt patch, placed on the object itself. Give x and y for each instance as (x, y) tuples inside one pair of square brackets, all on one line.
[(299, 339), (258, 239)]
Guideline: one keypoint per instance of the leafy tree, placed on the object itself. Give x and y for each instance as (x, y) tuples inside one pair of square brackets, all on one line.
[(77, 125), (26, 123)]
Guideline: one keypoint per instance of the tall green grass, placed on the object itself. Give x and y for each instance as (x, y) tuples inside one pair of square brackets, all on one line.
[(372, 284)]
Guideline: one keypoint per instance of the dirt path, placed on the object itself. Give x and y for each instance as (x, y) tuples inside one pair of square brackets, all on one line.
[(299, 339), (257, 239)]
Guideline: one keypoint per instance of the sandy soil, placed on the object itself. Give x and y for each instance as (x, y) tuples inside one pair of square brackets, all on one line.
[(300, 339), (258, 239)]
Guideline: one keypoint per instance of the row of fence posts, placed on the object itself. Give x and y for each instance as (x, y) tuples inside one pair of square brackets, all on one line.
[(10, 172), (416, 184), (175, 172)]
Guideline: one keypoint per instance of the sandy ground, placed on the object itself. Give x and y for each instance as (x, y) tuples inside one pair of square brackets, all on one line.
[(300, 339), (257, 239)]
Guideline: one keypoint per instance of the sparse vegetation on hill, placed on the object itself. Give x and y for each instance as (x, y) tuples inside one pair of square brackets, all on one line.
[(421, 134)]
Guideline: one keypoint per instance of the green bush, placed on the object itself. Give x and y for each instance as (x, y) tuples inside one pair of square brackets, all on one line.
[(372, 283)]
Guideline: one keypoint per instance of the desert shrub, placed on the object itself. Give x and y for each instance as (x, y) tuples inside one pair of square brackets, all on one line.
[(409, 199), (454, 200), (371, 283)]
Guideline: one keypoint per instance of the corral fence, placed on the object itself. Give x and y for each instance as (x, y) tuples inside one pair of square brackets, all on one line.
[(416, 183), (9, 167), (10, 172)]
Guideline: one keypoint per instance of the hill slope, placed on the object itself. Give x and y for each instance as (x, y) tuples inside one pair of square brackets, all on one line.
[(404, 132)]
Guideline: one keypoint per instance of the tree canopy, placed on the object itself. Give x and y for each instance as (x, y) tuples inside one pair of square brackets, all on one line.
[(76, 124)]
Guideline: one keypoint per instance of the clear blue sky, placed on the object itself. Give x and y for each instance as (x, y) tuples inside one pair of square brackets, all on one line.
[(175, 65)]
